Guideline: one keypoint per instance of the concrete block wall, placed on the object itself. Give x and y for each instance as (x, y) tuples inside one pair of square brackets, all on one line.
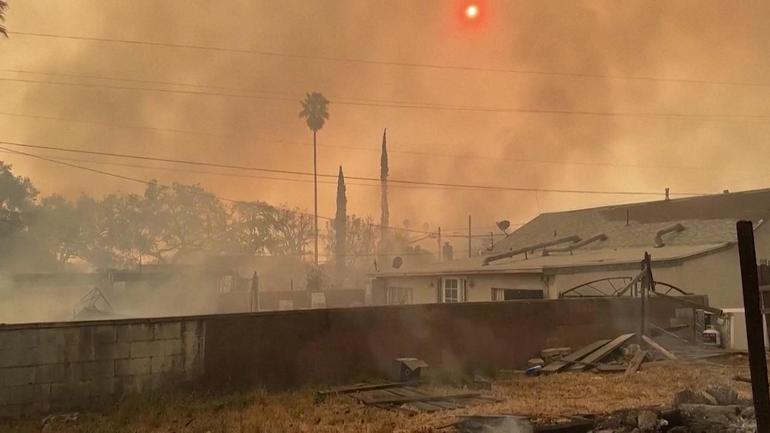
[(51, 367)]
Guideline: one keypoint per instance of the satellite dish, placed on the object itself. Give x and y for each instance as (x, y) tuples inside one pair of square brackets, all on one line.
[(397, 262), (503, 226)]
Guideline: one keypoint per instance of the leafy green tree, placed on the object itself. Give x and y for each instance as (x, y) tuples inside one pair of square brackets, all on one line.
[(315, 112)]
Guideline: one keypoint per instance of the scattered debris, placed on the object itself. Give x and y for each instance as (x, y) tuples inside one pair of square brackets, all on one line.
[(480, 382), (55, 422), (658, 347), (575, 356), (534, 362), (554, 353), (494, 423), (408, 369), (406, 397), (636, 361), (603, 351)]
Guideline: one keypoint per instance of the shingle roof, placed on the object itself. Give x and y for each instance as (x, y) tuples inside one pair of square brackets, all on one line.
[(709, 225), (707, 219)]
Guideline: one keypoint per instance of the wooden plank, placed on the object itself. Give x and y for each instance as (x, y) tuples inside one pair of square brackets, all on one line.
[(574, 356), (603, 351), (418, 405), (401, 400), (636, 361), (650, 342), (610, 368), (371, 396), (363, 387)]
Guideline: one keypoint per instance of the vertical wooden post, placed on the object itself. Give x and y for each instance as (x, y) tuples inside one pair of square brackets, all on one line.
[(254, 307), (440, 258), (470, 251), (754, 327), (644, 285)]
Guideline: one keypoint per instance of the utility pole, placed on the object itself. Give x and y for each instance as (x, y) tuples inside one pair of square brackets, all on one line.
[(754, 329), (470, 250), (439, 244), (315, 200)]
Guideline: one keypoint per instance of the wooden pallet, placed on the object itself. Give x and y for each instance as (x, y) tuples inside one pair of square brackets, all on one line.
[(408, 397)]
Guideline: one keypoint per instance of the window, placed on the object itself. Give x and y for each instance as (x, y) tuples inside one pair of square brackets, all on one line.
[(451, 290), (399, 296), (513, 294)]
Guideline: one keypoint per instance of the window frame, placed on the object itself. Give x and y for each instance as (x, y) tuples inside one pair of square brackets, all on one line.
[(458, 289)]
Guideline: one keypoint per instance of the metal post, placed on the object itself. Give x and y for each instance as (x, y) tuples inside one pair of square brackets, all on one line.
[(643, 286), (754, 328)]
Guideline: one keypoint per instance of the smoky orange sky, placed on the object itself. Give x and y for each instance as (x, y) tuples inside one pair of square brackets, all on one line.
[(690, 40)]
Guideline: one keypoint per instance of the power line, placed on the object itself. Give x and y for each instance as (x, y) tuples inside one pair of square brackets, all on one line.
[(357, 148), (432, 66), (363, 178), (215, 173), (147, 182), (423, 106)]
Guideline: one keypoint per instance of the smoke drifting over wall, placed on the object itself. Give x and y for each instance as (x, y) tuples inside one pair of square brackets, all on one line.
[(716, 41)]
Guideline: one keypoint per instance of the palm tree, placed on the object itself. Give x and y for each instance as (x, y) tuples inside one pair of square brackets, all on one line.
[(315, 112), (3, 8)]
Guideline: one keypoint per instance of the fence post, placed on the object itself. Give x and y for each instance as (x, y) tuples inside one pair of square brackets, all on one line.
[(754, 327)]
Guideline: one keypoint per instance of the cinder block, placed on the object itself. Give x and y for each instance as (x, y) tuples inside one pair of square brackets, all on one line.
[(11, 410), (135, 332), (104, 334), (28, 394), (173, 347), (70, 395), (15, 376), (53, 353), (111, 351), (19, 357), (59, 336), (19, 338), (143, 383), (193, 327), (51, 373), (133, 367), (92, 370), (168, 330), (168, 364), (104, 387), (145, 349)]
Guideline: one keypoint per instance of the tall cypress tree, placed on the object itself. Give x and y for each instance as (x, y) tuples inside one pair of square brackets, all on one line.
[(340, 227), (385, 215)]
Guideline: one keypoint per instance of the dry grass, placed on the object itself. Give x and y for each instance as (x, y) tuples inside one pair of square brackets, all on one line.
[(544, 398)]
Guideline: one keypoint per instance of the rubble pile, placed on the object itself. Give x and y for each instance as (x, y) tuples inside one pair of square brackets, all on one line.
[(717, 409)]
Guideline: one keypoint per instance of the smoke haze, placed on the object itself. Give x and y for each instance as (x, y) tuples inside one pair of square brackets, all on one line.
[(707, 40)]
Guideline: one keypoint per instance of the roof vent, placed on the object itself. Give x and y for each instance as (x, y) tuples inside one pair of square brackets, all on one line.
[(570, 248), (530, 248), (726, 191), (671, 229)]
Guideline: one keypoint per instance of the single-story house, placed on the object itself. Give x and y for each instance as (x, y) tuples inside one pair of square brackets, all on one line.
[(692, 242)]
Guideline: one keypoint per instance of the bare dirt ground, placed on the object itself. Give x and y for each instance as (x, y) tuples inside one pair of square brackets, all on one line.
[(547, 398)]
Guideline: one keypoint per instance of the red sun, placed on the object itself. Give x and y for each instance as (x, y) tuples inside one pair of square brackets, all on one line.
[(472, 14), (472, 11)]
